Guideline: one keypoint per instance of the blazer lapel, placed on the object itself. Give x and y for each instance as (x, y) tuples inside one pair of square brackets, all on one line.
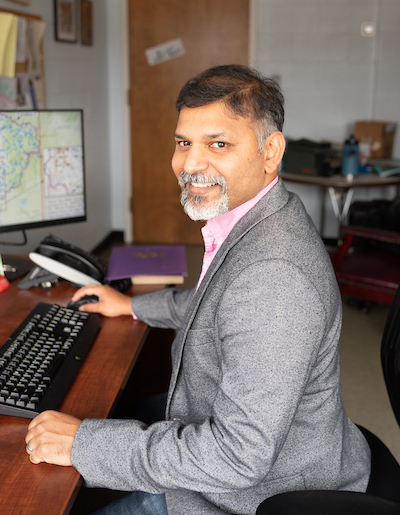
[(274, 200)]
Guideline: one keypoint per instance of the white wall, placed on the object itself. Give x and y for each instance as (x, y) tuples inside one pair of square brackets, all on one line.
[(77, 77), (331, 75)]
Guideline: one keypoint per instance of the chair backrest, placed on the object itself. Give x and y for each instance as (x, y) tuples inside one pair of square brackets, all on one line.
[(384, 481), (390, 354)]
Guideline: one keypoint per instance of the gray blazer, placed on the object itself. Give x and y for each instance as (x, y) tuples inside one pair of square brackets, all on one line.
[(254, 405)]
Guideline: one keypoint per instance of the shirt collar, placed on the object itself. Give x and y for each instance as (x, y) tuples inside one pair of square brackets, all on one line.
[(216, 230)]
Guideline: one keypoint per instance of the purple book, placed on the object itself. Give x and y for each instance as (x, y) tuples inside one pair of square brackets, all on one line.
[(148, 260)]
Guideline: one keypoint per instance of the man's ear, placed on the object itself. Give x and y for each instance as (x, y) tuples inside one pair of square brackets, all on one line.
[(274, 148)]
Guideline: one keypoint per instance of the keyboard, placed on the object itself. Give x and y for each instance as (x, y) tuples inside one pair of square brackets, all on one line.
[(41, 358)]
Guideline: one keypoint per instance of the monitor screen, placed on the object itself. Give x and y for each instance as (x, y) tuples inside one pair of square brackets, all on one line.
[(42, 173)]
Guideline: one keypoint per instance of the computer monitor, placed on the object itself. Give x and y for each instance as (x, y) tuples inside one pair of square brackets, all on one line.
[(42, 173), (42, 170)]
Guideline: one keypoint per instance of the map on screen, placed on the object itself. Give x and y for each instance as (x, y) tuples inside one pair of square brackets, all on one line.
[(41, 167)]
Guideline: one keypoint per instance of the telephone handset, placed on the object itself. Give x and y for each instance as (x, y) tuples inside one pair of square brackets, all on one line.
[(69, 262)]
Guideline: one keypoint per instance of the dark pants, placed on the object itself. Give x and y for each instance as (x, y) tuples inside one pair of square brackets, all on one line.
[(137, 503)]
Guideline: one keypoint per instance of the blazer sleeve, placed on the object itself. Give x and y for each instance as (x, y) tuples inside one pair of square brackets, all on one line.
[(164, 308), (270, 326)]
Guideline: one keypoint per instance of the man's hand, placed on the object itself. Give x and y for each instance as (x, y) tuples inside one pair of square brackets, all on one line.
[(50, 437), (112, 303)]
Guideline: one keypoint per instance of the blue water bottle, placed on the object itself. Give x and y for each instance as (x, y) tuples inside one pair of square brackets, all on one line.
[(350, 157)]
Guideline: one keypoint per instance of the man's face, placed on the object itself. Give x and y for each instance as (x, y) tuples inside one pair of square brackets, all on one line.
[(216, 161)]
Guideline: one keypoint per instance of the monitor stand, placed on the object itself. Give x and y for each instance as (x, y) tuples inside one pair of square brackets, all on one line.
[(15, 267)]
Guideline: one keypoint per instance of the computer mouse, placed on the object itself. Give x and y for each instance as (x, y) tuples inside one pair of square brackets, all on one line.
[(86, 299)]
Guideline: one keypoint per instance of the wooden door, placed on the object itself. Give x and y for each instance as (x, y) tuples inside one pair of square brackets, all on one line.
[(213, 32)]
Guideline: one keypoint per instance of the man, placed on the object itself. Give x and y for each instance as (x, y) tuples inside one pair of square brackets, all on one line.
[(254, 405)]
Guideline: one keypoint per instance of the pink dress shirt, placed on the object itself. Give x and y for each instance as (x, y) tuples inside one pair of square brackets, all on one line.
[(216, 230)]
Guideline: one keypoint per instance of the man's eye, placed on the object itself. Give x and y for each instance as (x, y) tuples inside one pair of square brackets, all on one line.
[(218, 144), (182, 143)]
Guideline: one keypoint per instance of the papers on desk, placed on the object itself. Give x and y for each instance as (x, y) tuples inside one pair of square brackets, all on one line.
[(386, 168)]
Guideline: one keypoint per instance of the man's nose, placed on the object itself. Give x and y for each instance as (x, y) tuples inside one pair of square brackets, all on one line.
[(195, 160)]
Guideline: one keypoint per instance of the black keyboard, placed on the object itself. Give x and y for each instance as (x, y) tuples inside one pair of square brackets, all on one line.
[(42, 356)]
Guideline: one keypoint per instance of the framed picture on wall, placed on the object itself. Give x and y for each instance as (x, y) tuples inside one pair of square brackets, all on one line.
[(65, 21), (86, 22)]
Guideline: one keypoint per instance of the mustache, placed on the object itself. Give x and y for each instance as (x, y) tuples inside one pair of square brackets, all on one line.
[(199, 178)]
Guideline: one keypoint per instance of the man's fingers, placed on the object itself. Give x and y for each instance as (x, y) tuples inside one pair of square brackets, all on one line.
[(47, 417), (50, 437), (90, 289), (48, 448), (55, 422)]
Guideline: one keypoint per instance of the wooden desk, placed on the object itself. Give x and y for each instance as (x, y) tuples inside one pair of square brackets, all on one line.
[(45, 489), (341, 189)]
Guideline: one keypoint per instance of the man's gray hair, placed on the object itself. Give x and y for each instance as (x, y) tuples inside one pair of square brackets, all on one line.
[(244, 91)]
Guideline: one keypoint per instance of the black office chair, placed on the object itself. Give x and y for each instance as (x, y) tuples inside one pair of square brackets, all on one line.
[(390, 355), (383, 492), (327, 502)]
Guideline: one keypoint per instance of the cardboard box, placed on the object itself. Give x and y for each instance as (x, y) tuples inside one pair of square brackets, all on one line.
[(379, 135)]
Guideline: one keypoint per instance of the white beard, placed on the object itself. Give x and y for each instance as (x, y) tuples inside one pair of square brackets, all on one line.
[(192, 205)]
